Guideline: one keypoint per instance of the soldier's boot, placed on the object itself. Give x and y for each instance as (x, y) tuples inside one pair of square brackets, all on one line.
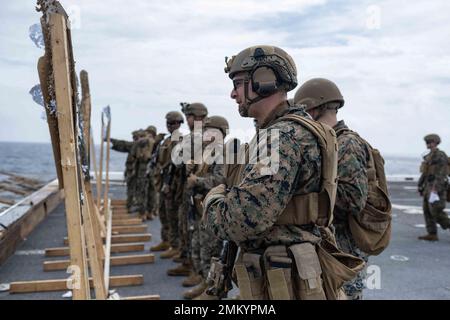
[(149, 216), (169, 253), (143, 216), (195, 292), (183, 270), (162, 246), (180, 258), (205, 296), (429, 237), (193, 280)]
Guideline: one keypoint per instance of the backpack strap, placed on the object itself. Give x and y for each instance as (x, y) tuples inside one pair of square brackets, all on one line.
[(326, 138)]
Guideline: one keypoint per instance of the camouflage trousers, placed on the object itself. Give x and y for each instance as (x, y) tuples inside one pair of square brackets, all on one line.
[(131, 186), (434, 213), (141, 194), (168, 212), (185, 233), (151, 204), (211, 247), (353, 288), (204, 246), (164, 219)]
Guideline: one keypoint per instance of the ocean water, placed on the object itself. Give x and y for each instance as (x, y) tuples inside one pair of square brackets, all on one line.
[(36, 160)]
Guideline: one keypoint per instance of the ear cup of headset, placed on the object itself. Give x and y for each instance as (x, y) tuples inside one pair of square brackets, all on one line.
[(264, 81)]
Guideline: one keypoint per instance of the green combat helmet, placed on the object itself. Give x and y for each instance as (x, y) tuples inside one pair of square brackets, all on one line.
[(174, 116), (269, 68), (432, 138), (316, 92), (196, 109), (152, 130), (217, 122)]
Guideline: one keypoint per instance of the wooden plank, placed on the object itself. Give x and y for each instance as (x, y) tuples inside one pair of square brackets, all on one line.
[(119, 216), (94, 246), (52, 121), (127, 222), (147, 297), (108, 243), (118, 202), (106, 203), (59, 265), (126, 238), (63, 93), (115, 248), (61, 284), (45, 201), (129, 229)]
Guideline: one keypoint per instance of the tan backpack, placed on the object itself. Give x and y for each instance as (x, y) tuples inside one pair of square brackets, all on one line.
[(371, 229)]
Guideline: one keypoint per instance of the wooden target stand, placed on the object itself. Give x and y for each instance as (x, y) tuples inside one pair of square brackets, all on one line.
[(90, 226)]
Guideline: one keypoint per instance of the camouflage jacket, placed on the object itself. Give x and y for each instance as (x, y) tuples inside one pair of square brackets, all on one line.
[(434, 173), (247, 213), (353, 188), (129, 147), (144, 149)]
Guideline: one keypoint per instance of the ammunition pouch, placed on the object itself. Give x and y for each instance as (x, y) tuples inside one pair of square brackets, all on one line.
[(250, 277), (308, 275), (278, 267)]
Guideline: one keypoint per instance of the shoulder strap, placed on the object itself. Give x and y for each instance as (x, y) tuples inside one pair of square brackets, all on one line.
[(326, 138)]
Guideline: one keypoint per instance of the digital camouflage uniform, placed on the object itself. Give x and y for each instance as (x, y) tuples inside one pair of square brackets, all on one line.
[(351, 197), (205, 244), (144, 148), (246, 214), (168, 206), (130, 167), (434, 175)]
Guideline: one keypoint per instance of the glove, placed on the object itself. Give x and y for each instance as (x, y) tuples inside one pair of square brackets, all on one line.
[(213, 195), (191, 181)]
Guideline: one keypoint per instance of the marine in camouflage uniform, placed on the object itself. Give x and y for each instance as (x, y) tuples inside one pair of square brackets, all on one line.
[(204, 244), (169, 188), (322, 99), (434, 178), (195, 114), (248, 213), (130, 165), (144, 148)]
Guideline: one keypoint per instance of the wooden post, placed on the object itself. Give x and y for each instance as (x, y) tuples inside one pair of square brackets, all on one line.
[(63, 93), (105, 196), (100, 172), (52, 121), (93, 247)]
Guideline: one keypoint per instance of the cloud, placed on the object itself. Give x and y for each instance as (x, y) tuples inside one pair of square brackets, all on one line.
[(144, 58)]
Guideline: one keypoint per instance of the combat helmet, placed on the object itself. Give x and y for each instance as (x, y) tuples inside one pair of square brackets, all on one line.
[(432, 138), (151, 129), (269, 68), (194, 109), (217, 122), (316, 92), (174, 116)]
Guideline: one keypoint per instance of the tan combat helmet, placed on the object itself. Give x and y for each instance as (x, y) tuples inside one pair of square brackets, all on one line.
[(217, 122), (196, 109), (174, 116), (316, 92), (432, 138), (152, 130), (269, 68)]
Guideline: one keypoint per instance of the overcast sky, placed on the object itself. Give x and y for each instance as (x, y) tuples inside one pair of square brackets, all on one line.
[(391, 60)]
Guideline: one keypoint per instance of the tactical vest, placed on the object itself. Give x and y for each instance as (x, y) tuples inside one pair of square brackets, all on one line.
[(371, 229), (315, 207)]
